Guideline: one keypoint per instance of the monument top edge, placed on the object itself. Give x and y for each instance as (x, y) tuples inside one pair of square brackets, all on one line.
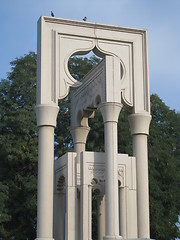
[(95, 25)]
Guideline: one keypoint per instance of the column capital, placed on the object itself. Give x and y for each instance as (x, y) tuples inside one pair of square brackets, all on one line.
[(110, 111), (79, 134), (46, 115), (139, 123)]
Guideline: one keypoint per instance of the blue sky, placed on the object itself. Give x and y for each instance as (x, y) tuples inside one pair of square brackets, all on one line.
[(18, 26)]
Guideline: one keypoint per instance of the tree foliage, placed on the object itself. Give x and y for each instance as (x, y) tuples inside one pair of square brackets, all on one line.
[(18, 151), (164, 167)]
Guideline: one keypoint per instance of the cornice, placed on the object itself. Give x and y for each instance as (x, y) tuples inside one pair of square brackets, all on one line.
[(93, 25)]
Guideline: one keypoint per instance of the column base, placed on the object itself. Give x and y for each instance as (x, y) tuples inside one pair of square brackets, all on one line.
[(112, 238)]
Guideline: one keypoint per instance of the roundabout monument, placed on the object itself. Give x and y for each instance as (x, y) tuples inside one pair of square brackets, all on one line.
[(120, 80)]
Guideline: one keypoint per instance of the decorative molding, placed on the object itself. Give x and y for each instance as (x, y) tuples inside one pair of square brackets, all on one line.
[(94, 26)]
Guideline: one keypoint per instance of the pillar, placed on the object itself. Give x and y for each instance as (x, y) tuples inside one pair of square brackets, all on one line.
[(83, 229), (110, 112), (123, 211), (139, 124), (46, 121)]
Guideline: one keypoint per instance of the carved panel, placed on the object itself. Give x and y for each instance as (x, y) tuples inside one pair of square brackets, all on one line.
[(90, 94), (97, 172)]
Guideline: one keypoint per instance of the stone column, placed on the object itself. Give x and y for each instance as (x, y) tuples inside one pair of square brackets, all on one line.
[(110, 112), (139, 124), (79, 135), (123, 211), (46, 121)]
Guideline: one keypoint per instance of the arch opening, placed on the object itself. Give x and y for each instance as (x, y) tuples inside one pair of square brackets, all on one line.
[(79, 64)]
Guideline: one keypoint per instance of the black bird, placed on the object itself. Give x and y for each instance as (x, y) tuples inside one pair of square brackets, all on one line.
[(84, 19), (52, 14)]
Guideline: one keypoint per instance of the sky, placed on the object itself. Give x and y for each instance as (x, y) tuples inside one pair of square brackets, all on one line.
[(161, 18)]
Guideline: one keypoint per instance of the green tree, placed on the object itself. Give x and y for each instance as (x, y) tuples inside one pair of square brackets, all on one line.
[(80, 66), (164, 167), (18, 150)]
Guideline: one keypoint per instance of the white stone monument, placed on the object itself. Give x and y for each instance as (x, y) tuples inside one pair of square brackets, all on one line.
[(120, 80)]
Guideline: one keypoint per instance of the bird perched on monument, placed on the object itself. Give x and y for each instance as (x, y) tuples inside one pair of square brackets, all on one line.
[(52, 14), (84, 19)]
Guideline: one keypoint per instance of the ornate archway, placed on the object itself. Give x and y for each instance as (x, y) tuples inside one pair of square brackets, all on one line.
[(121, 80)]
